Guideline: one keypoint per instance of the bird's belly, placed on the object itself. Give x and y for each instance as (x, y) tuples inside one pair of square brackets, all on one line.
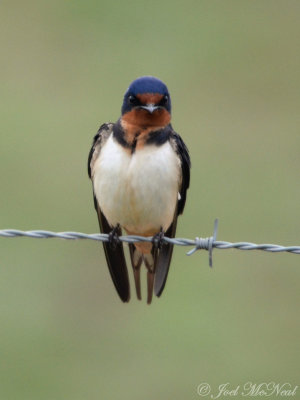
[(139, 191)]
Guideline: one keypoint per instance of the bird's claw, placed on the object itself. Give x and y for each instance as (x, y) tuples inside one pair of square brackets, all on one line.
[(158, 240), (113, 237)]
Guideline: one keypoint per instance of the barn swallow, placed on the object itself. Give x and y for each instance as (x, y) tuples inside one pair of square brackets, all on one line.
[(140, 170)]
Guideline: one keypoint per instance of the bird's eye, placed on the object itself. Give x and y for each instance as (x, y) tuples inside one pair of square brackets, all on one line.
[(132, 99), (164, 101)]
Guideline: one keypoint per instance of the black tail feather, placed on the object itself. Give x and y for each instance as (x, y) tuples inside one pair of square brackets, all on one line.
[(136, 262)]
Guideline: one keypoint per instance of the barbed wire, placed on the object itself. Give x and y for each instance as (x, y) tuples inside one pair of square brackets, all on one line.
[(208, 243)]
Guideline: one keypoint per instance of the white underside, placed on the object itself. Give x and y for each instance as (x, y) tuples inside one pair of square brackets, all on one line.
[(139, 191)]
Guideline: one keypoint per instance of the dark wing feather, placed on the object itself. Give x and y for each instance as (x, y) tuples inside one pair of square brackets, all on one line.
[(164, 260), (115, 259), (114, 255), (99, 139), (165, 254), (183, 154)]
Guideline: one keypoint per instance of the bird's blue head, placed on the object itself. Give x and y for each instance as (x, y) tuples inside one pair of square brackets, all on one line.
[(147, 98)]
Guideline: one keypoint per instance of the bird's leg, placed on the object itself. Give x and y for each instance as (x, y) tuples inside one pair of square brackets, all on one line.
[(158, 239), (113, 237)]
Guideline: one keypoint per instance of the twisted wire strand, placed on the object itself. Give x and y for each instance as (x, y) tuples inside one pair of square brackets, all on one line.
[(197, 243)]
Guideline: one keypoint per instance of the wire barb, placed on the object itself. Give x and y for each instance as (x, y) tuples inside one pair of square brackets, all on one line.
[(206, 244)]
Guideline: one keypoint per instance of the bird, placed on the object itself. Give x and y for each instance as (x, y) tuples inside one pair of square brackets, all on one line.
[(140, 172)]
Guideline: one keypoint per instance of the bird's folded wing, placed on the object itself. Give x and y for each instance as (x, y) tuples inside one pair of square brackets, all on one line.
[(115, 259), (114, 253)]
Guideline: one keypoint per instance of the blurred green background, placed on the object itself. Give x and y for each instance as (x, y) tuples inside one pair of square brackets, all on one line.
[(232, 69)]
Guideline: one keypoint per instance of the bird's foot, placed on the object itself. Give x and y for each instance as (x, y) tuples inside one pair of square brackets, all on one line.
[(113, 237), (158, 240)]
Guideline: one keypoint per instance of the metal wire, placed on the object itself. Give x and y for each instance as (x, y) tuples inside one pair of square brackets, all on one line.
[(208, 243)]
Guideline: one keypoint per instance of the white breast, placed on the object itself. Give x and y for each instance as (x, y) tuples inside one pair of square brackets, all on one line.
[(140, 190)]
